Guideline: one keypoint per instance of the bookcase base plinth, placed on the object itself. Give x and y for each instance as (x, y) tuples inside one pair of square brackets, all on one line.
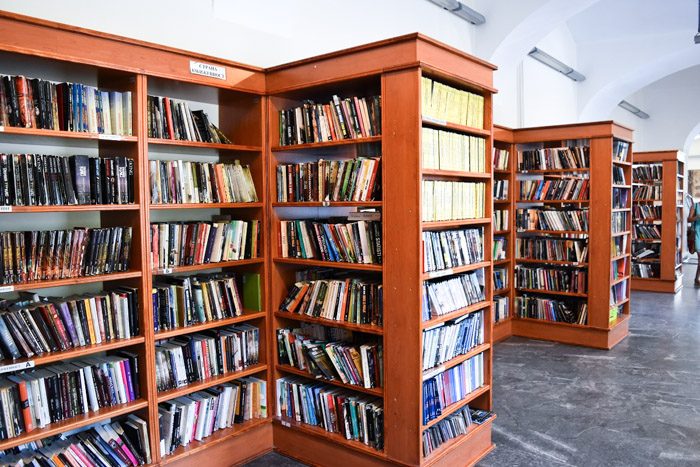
[(597, 338), (502, 330), (657, 285)]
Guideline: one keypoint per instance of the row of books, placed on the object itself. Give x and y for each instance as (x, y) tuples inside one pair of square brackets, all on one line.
[(620, 150), (500, 190), (500, 159), (500, 278), (187, 359), (500, 248), (445, 249), (45, 180), (185, 243), (646, 270), (619, 175), (501, 305), (60, 254), (552, 249), (444, 296), (449, 340), (550, 219), (338, 119), (647, 192), (618, 292), (38, 103), (336, 240), (197, 416), (563, 311), (336, 180), (441, 101), (551, 279), (558, 189), (354, 417), (647, 173), (172, 119), (451, 386), (618, 246), (190, 300), (41, 326), (453, 426), (646, 251), (178, 181), (443, 200), (646, 212), (500, 219), (355, 364), (446, 150), (620, 198), (34, 399), (618, 269), (619, 222), (573, 157), (118, 443)]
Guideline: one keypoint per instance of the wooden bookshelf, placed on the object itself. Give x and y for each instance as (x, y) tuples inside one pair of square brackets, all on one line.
[(666, 267), (392, 69), (602, 330), (503, 139)]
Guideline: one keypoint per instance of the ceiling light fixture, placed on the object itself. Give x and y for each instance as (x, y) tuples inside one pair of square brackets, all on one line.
[(461, 10), (553, 63), (635, 110)]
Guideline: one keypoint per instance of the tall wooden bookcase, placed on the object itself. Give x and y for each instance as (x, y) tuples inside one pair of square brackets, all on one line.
[(667, 265), (608, 319), (503, 139), (393, 69)]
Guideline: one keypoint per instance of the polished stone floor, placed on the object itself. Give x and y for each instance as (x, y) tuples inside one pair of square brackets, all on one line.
[(636, 405)]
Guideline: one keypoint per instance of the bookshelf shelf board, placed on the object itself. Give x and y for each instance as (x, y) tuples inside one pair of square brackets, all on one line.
[(200, 385), (436, 225), (647, 260), (653, 279), (448, 446), (327, 144), (501, 262), (647, 240), (622, 163), (327, 436), (648, 183), (551, 171), (443, 125), (621, 302), (455, 270), (503, 321), (75, 208), (554, 232), (502, 291), (620, 209), (649, 221), (552, 262), (377, 392), (618, 280), (312, 204), (501, 201), (501, 172), (204, 266), (65, 134), (217, 437), (455, 361), (621, 318), (552, 292), (77, 352), (621, 186), (455, 174), (206, 206), (73, 423), (203, 145), (553, 201), (450, 409), (454, 315), (501, 232), (555, 323), (647, 200), (329, 264), (73, 281), (246, 316), (366, 328)]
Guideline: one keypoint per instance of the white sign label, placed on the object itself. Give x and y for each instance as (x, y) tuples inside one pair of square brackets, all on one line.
[(17, 366), (207, 69), (7, 288), (2, 128), (287, 424), (167, 271), (5, 208), (110, 137)]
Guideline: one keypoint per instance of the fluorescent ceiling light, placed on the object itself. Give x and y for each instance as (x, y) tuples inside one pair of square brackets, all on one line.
[(635, 110), (551, 62), (461, 10)]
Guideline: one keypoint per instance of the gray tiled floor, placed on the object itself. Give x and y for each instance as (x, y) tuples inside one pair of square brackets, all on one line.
[(636, 405)]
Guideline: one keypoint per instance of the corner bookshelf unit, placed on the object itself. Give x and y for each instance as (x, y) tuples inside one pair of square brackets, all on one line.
[(59, 53), (504, 214), (392, 69), (658, 221), (605, 293)]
